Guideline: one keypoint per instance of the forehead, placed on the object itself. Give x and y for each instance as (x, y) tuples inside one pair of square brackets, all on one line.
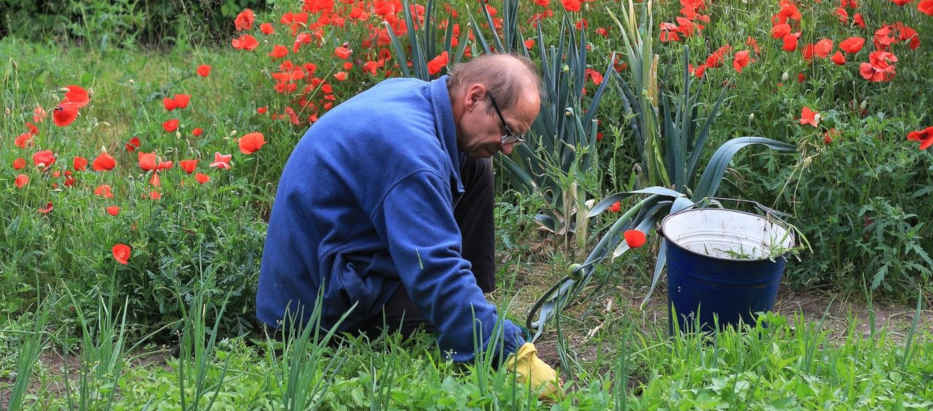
[(520, 116)]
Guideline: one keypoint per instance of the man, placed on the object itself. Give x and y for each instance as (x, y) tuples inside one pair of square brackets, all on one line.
[(386, 204)]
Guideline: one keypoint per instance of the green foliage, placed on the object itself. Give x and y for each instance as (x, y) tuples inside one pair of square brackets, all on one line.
[(861, 201), (102, 24)]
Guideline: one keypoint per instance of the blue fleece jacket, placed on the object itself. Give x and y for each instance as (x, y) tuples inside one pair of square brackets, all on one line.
[(365, 206)]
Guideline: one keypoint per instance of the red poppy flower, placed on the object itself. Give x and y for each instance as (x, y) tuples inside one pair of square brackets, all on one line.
[(65, 114), (245, 42), (197, 132), (121, 253), (181, 100), (852, 45), (113, 210), (204, 70), (165, 165), (169, 103), (901, 2), (925, 7), (829, 134), (155, 181), (778, 31), (616, 207), (925, 137), (543, 3), (740, 60), (571, 5), (634, 238), (437, 63), (79, 163), (880, 67), (132, 144), (593, 75), (808, 116), (244, 20), (188, 165), (170, 125), (529, 43), (261, 110), (77, 95), (266, 29), (202, 178), (43, 159), (807, 52), (19, 163), (147, 161), (790, 41), (221, 161), (823, 47), (32, 129), (278, 51), (801, 77), (103, 162), (842, 15), (751, 42), (103, 190), (340, 75), (839, 58), (24, 140), (38, 114), (858, 20), (21, 180), (155, 195), (47, 209), (343, 52), (251, 142)]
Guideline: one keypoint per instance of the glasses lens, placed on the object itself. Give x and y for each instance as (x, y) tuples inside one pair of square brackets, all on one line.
[(510, 139)]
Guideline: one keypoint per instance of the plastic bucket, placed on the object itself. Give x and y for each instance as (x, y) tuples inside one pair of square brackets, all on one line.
[(722, 263)]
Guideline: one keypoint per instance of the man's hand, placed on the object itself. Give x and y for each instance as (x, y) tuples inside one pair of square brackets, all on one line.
[(529, 368)]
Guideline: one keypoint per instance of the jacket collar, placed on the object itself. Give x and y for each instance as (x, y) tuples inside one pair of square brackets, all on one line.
[(447, 129)]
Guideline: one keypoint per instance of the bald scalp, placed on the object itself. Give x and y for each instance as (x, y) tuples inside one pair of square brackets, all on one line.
[(507, 77)]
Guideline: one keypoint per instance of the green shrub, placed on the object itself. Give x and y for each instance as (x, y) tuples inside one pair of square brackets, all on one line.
[(103, 24)]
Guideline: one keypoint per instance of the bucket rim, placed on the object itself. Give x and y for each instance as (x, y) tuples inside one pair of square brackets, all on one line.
[(745, 260)]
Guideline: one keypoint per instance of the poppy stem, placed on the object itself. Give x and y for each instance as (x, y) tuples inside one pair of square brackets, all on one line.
[(255, 169)]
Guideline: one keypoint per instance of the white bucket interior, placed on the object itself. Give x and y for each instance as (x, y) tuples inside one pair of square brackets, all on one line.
[(727, 234)]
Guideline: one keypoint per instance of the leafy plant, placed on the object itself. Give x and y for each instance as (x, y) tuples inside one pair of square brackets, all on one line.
[(559, 161), (671, 137)]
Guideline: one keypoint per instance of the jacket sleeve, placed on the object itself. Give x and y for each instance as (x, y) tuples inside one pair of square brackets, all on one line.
[(417, 222)]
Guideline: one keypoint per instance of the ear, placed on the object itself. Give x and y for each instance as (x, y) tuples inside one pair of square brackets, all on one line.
[(473, 94)]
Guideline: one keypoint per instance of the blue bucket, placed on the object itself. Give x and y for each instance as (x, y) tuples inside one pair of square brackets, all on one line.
[(722, 263)]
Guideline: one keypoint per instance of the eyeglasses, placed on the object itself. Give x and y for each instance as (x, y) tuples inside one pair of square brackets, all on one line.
[(509, 137)]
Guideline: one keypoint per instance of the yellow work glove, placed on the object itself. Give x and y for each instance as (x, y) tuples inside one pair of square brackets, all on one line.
[(528, 367)]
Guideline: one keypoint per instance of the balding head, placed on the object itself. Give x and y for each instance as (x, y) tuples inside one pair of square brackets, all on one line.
[(507, 77)]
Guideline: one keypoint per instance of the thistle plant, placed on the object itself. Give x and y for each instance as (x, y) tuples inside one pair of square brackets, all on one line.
[(670, 137)]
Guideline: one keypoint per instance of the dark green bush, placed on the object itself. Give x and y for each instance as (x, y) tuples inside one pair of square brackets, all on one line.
[(108, 23), (863, 202)]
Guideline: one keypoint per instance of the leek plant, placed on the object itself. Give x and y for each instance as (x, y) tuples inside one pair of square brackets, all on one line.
[(423, 43), (670, 138), (559, 159)]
